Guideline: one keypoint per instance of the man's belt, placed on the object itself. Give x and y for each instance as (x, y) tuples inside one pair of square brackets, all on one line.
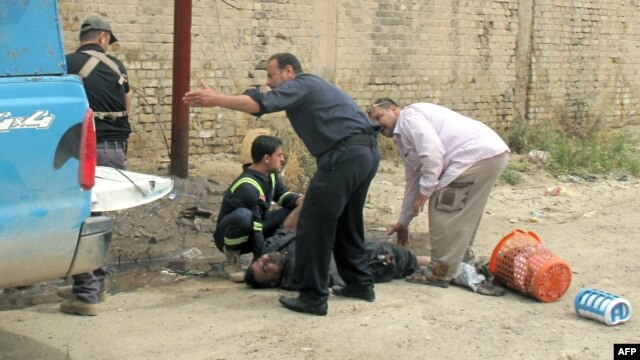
[(109, 115), (358, 139), (113, 144)]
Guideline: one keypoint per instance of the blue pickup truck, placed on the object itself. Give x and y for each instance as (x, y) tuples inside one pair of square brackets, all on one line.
[(47, 154)]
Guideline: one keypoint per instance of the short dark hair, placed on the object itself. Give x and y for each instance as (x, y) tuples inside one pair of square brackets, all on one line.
[(285, 59), (264, 145), (90, 34), (250, 280), (384, 103)]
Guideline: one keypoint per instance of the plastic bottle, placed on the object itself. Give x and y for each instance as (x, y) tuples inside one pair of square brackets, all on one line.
[(602, 306)]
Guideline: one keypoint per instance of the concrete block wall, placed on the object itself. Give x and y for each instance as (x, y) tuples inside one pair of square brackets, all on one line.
[(497, 61), (458, 54), (585, 65)]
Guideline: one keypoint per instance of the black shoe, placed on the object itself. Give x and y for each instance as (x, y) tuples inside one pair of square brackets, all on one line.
[(298, 305), (367, 294)]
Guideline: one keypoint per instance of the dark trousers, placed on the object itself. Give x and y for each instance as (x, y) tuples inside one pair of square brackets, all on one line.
[(331, 221), (112, 153), (86, 286), (239, 223)]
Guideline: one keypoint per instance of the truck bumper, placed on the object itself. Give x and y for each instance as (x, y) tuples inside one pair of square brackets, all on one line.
[(93, 245)]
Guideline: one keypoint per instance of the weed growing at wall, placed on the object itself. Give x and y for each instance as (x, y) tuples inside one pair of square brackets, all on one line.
[(388, 149), (300, 165), (577, 150)]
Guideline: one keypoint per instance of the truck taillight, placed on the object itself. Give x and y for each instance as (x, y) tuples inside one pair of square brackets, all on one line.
[(88, 157)]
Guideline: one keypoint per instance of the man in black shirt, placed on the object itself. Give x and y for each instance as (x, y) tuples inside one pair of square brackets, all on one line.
[(386, 261), (244, 219), (107, 88), (343, 140)]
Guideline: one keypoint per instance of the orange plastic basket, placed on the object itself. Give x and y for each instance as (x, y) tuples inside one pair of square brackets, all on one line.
[(522, 263)]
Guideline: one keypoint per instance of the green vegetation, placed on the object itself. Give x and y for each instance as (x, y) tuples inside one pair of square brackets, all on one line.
[(571, 148), (577, 150), (511, 176), (388, 149), (300, 165)]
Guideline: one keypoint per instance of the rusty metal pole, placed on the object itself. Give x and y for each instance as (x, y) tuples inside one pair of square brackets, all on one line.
[(181, 82)]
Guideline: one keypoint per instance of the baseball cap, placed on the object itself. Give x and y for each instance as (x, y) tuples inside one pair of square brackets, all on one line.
[(97, 23)]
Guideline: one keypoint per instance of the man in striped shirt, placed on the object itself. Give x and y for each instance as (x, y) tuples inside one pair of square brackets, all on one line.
[(453, 162)]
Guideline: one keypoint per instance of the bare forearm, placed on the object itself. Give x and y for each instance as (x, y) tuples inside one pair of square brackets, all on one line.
[(238, 102), (207, 97)]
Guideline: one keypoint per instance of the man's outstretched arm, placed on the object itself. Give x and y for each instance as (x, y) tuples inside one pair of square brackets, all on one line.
[(207, 97)]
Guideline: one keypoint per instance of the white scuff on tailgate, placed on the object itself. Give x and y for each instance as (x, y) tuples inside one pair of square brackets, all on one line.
[(118, 189)]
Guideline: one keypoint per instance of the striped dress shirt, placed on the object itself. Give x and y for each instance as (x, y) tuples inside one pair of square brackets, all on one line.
[(437, 145)]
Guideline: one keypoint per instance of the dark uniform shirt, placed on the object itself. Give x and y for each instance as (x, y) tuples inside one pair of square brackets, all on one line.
[(255, 191), (104, 93), (320, 113)]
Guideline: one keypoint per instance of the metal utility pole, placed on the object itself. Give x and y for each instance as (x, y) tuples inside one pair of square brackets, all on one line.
[(181, 83)]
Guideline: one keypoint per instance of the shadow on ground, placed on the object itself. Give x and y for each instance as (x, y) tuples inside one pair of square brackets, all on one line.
[(16, 347), (121, 278)]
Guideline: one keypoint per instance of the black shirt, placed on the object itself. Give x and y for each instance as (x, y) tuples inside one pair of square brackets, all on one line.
[(104, 93), (388, 261), (320, 113), (255, 191)]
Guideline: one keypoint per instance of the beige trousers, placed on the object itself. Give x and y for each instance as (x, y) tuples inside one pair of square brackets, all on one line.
[(455, 212)]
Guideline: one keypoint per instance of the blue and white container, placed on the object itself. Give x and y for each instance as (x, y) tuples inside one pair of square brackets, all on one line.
[(602, 306)]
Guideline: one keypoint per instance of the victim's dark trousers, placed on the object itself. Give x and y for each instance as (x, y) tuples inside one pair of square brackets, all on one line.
[(331, 220)]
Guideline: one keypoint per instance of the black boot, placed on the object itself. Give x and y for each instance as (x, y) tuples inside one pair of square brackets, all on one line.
[(295, 304), (366, 294)]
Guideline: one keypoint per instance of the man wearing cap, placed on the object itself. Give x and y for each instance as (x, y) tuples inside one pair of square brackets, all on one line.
[(105, 81), (109, 95)]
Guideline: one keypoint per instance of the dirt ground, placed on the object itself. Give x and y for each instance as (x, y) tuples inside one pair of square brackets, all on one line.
[(592, 225)]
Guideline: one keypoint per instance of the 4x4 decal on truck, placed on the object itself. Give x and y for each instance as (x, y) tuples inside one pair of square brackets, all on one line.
[(41, 119)]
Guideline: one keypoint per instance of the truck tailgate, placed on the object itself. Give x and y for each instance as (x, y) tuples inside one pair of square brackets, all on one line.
[(42, 207)]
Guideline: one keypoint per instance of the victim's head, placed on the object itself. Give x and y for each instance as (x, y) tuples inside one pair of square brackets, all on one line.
[(266, 271)]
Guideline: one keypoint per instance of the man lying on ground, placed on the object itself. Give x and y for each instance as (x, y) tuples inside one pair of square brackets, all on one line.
[(387, 261), (275, 267)]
